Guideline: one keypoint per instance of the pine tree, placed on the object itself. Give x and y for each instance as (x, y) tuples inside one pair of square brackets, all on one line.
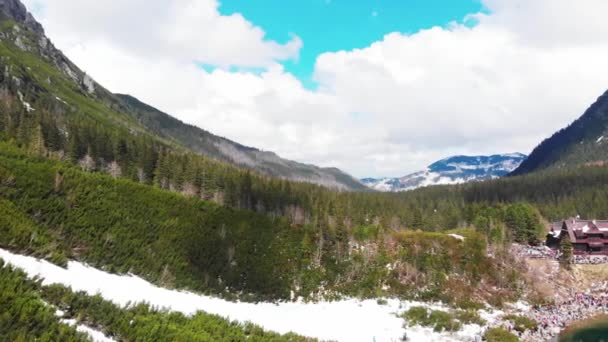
[(36, 143), (566, 249)]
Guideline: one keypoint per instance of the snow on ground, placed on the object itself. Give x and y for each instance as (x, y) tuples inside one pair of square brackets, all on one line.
[(96, 335), (457, 236), (346, 320), (26, 105)]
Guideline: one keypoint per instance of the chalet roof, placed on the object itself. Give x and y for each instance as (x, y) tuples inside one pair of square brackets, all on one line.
[(578, 229)]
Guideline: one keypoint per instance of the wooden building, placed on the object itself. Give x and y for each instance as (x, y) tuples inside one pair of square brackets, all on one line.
[(587, 236)]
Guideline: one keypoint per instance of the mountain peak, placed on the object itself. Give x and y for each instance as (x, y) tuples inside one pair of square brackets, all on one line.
[(581, 143), (452, 170), (16, 10)]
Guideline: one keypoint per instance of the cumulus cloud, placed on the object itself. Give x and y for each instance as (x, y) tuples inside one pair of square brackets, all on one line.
[(184, 30), (523, 70)]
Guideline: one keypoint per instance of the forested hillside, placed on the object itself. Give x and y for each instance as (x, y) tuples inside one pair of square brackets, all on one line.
[(56, 211), (52, 105), (89, 177), (582, 143), (207, 144), (24, 316)]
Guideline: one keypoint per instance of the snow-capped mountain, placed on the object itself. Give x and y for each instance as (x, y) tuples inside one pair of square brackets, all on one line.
[(452, 170)]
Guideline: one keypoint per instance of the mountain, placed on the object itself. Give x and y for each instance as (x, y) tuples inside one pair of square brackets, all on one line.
[(90, 177), (102, 178), (208, 144), (59, 80), (452, 170), (584, 142)]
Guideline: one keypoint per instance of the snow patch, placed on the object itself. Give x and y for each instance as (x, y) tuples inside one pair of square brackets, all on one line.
[(26, 105), (95, 335), (452, 170), (345, 320), (60, 100), (456, 236)]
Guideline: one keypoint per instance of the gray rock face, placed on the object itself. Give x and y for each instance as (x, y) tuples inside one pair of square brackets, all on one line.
[(16, 10), (38, 43), (89, 84)]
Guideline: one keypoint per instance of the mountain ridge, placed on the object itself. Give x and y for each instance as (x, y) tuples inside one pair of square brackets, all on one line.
[(21, 29), (206, 143), (452, 170), (580, 143)]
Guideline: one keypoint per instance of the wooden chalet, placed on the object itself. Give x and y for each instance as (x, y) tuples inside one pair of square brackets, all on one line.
[(587, 236)]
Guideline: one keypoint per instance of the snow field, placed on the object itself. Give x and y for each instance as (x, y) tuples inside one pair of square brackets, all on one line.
[(349, 320)]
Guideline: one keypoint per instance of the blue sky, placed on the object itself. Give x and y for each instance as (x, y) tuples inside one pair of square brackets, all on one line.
[(334, 25), (392, 97)]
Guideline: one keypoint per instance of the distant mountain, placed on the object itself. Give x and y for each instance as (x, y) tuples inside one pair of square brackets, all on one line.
[(584, 142), (208, 144), (452, 170), (37, 74)]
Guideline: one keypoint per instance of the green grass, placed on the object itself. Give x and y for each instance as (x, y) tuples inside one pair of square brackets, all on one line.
[(521, 323), (436, 319), (469, 317), (499, 335)]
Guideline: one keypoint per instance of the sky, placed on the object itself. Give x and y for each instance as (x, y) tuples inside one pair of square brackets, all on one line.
[(374, 87)]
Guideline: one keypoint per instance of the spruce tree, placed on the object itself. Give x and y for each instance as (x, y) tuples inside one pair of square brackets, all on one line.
[(566, 249)]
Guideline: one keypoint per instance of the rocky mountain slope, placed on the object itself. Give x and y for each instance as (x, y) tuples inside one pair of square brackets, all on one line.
[(35, 56), (584, 142), (452, 170)]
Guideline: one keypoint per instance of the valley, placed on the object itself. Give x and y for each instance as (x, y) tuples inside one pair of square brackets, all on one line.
[(120, 222)]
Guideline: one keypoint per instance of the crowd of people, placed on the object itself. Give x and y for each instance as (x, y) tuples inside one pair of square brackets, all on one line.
[(534, 252), (554, 318), (590, 259), (544, 252)]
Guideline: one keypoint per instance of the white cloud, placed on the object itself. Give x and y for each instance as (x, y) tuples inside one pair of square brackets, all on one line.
[(184, 30), (523, 71)]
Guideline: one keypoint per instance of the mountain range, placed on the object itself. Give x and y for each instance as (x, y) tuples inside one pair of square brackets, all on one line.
[(452, 170), (88, 177)]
